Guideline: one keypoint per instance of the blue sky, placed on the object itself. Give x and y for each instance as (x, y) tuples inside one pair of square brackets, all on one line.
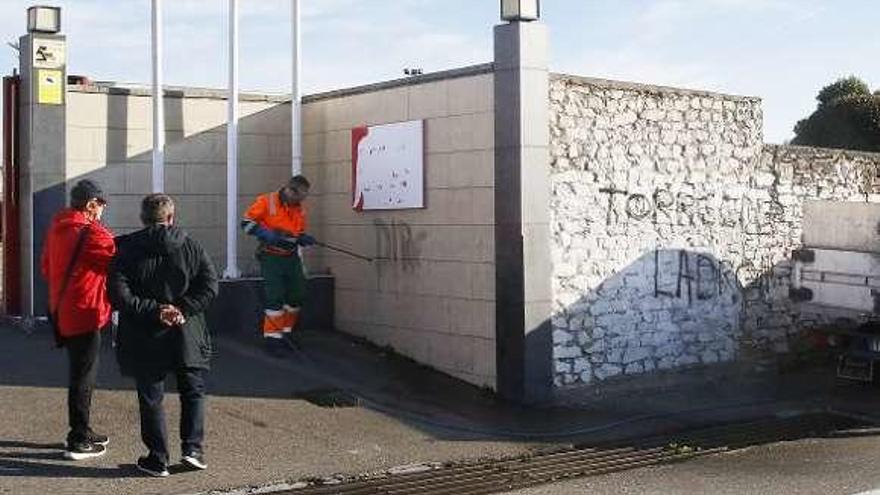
[(783, 51)]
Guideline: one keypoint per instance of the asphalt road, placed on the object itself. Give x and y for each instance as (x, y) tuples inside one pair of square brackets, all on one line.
[(260, 430), (839, 466)]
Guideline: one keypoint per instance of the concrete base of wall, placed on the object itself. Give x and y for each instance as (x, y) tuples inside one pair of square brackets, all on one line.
[(238, 310)]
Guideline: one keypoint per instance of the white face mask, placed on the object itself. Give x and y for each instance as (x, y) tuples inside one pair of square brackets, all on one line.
[(95, 209)]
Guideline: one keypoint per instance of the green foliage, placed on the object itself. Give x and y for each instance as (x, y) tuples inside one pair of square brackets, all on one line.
[(843, 88), (847, 116)]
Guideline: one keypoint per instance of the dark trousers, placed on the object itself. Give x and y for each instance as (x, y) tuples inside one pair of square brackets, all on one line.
[(83, 352), (151, 390)]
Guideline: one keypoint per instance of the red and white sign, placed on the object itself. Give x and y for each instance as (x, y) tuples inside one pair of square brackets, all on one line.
[(387, 166)]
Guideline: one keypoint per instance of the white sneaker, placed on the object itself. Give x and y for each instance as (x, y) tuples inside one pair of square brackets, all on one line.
[(194, 460), (84, 450)]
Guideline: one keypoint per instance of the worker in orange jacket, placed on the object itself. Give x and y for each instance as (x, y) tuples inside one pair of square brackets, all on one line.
[(278, 220)]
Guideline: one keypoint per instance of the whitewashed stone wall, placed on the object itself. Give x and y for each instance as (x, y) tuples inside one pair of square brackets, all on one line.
[(672, 226)]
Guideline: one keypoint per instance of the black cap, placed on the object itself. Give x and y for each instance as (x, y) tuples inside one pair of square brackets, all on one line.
[(85, 191)]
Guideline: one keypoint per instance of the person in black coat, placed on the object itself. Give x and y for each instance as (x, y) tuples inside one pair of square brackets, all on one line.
[(162, 282)]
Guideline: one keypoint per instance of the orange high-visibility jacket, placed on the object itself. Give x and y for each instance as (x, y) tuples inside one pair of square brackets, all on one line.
[(268, 211)]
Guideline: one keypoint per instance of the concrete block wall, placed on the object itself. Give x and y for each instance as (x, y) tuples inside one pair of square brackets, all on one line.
[(109, 139), (672, 226), (431, 293)]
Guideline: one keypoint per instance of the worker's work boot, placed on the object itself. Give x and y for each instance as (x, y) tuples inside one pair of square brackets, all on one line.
[(277, 348)]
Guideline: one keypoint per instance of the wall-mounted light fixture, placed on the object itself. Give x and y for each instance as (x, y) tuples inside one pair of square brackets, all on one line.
[(520, 10), (43, 19)]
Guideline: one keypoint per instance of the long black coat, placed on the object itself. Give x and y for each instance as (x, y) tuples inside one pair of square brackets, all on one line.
[(154, 266)]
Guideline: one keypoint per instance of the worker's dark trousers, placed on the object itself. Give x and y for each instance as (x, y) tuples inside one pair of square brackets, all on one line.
[(83, 352), (151, 391)]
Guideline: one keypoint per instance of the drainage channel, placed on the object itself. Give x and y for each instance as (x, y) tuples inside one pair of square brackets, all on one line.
[(522, 472)]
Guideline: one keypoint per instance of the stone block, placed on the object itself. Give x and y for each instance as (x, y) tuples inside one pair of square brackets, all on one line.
[(379, 107), (263, 117), (485, 361), (176, 181), (138, 178), (327, 147), (473, 318), (566, 352), (201, 210), (203, 115), (253, 149), (83, 144), (253, 180), (482, 277), (207, 147), (315, 116), (562, 337), (447, 278), (562, 367), (460, 133), (279, 149), (413, 343), (428, 100), (86, 110), (473, 94), (581, 365)]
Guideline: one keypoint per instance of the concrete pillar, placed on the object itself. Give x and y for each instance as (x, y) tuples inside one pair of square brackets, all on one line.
[(522, 234), (43, 70)]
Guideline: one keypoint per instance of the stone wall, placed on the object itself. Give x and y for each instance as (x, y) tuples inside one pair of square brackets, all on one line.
[(672, 225)]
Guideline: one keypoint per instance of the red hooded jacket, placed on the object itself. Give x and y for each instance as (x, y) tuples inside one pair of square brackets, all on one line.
[(84, 306)]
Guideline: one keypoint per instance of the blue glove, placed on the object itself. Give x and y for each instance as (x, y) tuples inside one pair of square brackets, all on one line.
[(288, 243), (268, 236), (306, 240)]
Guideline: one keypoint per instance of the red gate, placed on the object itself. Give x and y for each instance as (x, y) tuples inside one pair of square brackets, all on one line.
[(10, 226)]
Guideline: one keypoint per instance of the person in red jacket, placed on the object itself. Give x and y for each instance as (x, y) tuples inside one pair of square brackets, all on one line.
[(75, 261)]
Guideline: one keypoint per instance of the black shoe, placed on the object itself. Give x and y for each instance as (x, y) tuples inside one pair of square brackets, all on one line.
[(194, 460), (277, 348), (97, 438), (152, 466), (78, 451)]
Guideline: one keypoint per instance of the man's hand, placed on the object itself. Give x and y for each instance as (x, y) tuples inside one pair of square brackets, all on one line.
[(288, 243), (269, 236), (171, 315), (306, 240)]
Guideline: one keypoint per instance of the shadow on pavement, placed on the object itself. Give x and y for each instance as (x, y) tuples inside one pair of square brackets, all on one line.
[(330, 370), (333, 370), (14, 466)]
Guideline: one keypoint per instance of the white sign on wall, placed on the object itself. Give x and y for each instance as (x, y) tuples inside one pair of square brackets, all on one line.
[(388, 166), (48, 53)]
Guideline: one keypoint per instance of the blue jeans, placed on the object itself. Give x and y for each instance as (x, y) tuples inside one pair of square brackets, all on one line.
[(151, 390)]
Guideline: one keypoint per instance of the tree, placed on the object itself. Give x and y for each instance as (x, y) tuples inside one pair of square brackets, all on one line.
[(847, 116)]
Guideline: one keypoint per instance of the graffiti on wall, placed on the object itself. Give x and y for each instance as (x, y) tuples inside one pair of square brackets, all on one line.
[(398, 244), (696, 276), (693, 277), (662, 206)]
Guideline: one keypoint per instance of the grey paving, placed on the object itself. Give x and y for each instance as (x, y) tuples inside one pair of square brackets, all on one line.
[(262, 431), (805, 467), (258, 433)]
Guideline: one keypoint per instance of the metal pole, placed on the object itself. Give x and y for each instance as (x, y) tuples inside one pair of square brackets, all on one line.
[(231, 270), (296, 94), (11, 199), (158, 102)]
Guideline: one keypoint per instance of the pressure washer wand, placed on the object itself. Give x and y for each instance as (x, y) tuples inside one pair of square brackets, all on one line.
[(344, 251)]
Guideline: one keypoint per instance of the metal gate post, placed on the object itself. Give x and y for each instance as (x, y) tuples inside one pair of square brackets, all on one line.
[(11, 206)]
